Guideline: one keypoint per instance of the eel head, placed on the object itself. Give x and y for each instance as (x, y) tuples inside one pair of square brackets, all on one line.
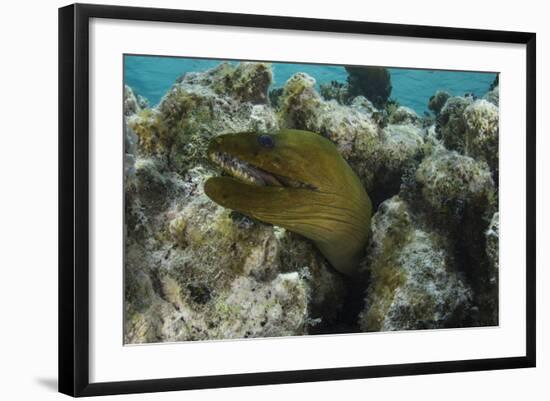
[(297, 180)]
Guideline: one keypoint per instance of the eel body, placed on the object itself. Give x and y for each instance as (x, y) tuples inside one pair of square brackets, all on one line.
[(297, 180)]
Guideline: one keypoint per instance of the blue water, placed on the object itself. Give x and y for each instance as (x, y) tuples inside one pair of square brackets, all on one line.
[(152, 76)]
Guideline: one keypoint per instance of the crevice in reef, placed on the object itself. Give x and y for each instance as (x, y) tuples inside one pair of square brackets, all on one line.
[(353, 302)]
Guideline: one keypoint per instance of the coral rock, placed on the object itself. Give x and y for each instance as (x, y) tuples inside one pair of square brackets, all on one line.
[(458, 199), (202, 105), (481, 120), (404, 115), (398, 150), (130, 153), (327, 289), (133, 104), (449, 180), (450, 122), (197, 271), (372, 82), (492, 246), (489, 294), (413, 281), (335, 90), (246, 82), (437, 101), (200, 272), (493, 96)]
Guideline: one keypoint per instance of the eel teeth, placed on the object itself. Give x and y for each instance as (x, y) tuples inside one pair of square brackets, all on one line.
[(251, 174), (238, 169)]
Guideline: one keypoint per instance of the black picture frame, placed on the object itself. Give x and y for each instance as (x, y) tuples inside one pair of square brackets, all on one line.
[(74, 198)]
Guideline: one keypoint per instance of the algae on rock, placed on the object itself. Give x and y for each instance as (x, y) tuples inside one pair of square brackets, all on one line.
[(202, 105), (450, 122), (450, 181), (198, 276), (133, 103), (413, 281), (437, 101), (482, 121), (197, 271), (471, 128), (404, 115), (458, 198), (493, 96)]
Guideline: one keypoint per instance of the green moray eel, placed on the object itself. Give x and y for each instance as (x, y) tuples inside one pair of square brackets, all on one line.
[(297, 180)]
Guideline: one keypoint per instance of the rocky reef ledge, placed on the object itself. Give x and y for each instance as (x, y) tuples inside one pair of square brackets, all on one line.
[(196, 271)]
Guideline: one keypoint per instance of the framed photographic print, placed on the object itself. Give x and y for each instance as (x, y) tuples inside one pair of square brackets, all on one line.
[(250, 199)]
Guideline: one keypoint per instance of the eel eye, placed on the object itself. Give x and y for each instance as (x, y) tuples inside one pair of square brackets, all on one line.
[(266, 141)]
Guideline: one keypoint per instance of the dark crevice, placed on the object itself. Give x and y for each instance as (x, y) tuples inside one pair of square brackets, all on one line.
[(347, 320)]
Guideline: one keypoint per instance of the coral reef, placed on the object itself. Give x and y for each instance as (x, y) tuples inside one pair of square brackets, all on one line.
[(246, 82), (493, 95), (492, 246), (413, 281), (202, 105), (437, 101), (471, 127), (404, 115), (399, 149), (481, 119), (130, 149), (450, 122), (489, 296), (378, 155), (372, 82), (457, 195), (450, 181), (132, 103), (335, 90), (443, 218), (197, 271)]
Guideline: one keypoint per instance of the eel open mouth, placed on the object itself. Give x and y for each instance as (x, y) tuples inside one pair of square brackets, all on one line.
[(296, 180), (251, 174)]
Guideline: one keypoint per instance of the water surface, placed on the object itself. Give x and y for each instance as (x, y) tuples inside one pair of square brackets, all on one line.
[(152, 76)]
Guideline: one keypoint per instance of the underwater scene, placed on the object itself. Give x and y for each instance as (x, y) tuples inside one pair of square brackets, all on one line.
[(268, 199)]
